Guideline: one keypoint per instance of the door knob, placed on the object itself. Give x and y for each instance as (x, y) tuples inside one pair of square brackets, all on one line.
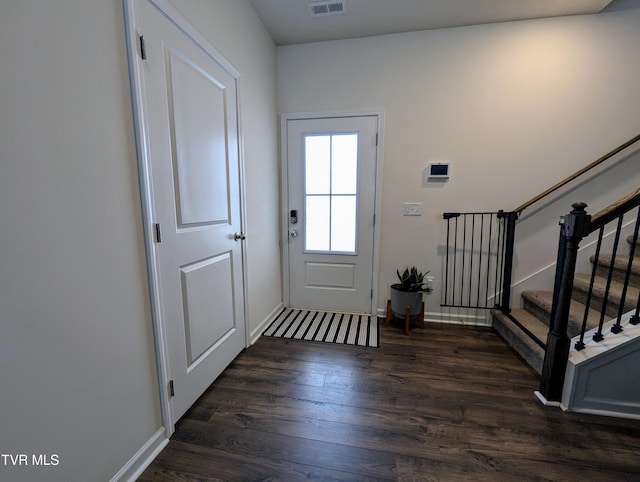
[(239, 236)]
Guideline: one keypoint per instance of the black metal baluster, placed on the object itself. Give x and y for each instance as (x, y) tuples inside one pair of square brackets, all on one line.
[(473, 237), (480, 257), (464, 250), (455, 261), (598, 335), (486, 299), (499, 255), (617, 328), (580, 343), (635, 318)]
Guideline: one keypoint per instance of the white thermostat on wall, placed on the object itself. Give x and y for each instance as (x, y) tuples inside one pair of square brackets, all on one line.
[(438, 171)]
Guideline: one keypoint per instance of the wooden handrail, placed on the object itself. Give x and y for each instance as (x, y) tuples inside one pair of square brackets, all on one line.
[(618, 208), (577, 174)]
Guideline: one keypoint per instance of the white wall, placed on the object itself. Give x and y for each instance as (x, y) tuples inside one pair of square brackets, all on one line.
[(77, 362), (514, 107)]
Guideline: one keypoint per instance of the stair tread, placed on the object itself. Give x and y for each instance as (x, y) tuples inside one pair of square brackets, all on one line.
[(582, 282), (527, 348), (544, 300), (538, 304), (620, 267), (621, 262), (532, 323)]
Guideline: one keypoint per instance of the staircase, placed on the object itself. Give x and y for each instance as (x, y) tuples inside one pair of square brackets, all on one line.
[(530, 338), (579, 339)]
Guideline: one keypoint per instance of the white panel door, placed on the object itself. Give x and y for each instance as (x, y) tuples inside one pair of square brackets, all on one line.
[(189, 104), (331, 179)]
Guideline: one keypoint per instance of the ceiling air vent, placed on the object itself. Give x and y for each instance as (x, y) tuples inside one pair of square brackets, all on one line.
[(331, 7)]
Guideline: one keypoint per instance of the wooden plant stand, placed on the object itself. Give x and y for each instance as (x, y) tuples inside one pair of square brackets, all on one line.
[(407, 318)]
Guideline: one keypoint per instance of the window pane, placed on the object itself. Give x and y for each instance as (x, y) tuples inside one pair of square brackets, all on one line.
[(317, 157), (343, 224), (317, 223), (344, 166)]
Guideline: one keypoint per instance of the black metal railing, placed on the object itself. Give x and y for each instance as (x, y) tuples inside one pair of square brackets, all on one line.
[(479, 260), (479, 265), (478, 240), (575, 226)]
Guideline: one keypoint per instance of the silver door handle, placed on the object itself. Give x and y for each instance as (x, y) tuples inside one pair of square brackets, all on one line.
[(239, 236)]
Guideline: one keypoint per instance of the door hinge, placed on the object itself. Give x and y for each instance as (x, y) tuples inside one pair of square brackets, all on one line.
[(171, 389), (143, 51), (374, 219), (371, 293), (376, 138), (158, 233)]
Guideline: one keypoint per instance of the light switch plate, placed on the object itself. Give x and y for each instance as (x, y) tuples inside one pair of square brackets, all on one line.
[(412, 209)]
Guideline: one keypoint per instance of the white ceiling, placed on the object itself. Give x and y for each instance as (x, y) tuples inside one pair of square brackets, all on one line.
[(290, 21)]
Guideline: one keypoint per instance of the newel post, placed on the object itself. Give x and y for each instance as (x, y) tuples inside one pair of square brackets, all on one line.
[(509, 243), (575, 227)]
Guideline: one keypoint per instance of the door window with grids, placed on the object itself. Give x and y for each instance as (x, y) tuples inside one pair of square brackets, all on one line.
[(331, 191)]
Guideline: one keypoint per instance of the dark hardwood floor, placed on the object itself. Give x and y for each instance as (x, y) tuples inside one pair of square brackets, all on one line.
[(447, 403)]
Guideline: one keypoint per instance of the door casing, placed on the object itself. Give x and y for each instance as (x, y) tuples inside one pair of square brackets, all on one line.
[(146, 192), (284, 199)]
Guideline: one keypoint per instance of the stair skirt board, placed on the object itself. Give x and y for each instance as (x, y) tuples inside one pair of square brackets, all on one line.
[(600, 379), (529, 351), (325, 326)]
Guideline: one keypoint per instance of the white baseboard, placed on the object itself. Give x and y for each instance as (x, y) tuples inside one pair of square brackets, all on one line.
[(449, 318), (257, 333), (143, 457), (605, 413), (544, 400), (457, 319)]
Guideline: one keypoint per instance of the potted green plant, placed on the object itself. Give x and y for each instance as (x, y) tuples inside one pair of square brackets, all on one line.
[(408, 292)]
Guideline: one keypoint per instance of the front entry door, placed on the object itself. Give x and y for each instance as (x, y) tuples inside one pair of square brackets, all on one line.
[(189, 116), (331, 180)]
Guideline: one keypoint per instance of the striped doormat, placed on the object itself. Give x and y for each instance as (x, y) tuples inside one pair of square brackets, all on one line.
[(325, 326)]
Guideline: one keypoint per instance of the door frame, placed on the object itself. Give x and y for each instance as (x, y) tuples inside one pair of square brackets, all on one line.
[(284, 192), (136, 79)]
